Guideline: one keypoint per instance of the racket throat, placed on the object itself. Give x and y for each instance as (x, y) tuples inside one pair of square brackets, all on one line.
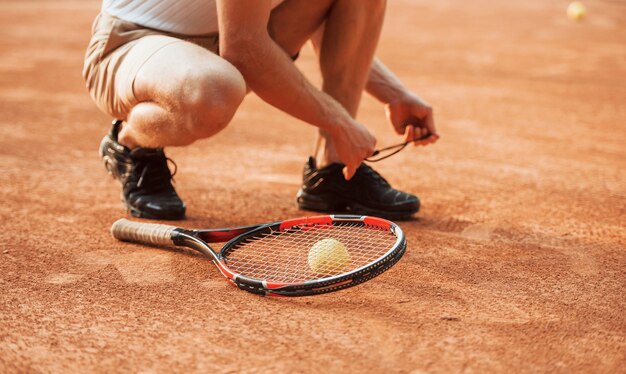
[(186, 238)]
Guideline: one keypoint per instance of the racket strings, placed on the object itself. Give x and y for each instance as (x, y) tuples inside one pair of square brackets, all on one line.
[(283, 256)]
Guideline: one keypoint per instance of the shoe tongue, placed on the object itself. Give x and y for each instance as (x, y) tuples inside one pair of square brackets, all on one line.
[(368, 170)]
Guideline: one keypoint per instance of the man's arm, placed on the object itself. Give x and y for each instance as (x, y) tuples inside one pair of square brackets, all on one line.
[(270, 73), (407, 112), (383, 84)]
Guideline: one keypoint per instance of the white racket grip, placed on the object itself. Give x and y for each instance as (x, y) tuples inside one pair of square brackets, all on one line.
[(150, 233)]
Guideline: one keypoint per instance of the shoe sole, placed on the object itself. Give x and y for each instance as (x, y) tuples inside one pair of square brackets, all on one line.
[(329, 204), (142, 214)]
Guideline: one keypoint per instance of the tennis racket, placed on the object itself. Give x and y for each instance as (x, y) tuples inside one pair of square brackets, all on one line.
[(272, 259)]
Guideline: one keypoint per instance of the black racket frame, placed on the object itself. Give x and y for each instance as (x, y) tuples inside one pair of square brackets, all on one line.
[(199, 239)]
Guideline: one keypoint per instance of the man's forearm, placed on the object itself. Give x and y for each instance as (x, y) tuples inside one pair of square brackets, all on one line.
[(383, 84), (276, 80)]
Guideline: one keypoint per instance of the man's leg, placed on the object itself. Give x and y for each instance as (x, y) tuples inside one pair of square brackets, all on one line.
[(184, 93), (346, 53), (345, 34), (169, 93), (346, 48)]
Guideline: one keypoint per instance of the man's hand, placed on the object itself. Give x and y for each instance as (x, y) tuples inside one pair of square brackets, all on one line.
[(412, 117), (353, 143), (408, 114)]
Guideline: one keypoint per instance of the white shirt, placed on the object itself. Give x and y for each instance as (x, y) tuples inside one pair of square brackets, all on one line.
[(187, 17)]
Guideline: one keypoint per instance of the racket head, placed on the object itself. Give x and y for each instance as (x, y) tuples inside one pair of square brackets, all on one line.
[(273, 259)]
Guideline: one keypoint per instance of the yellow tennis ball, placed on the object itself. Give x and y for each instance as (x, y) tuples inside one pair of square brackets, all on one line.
[(576, 11), (328, 257)]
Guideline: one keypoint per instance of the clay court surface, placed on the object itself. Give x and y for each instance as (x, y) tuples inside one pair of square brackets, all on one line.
[(516, 262)]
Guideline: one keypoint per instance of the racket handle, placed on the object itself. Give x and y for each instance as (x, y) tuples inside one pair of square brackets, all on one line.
[(139, 232)]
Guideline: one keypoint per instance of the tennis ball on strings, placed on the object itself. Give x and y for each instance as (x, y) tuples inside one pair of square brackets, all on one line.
[(328, 257), (576, 11)]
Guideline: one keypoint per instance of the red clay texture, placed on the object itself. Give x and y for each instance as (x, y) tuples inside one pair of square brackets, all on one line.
[(515, 263)]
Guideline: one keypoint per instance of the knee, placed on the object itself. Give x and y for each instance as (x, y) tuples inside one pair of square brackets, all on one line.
[(209, 98)]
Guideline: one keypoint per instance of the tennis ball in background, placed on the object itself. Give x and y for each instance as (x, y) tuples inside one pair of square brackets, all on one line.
[(328, 257), (576, 11)]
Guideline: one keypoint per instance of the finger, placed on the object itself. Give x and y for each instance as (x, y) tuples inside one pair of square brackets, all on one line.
[(428, 137), (392, 118), (433, 138), (430, 123), (408, 136), (348, 172), (407, 133), (419, 134), (372, 147)]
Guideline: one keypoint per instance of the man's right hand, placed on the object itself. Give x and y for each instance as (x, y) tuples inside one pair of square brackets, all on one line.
[(352, 143)]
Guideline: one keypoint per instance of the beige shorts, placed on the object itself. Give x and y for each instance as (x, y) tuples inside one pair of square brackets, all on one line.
[(116, 52)]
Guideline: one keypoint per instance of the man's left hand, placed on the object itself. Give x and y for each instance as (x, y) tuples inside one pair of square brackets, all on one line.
[(412, 117)]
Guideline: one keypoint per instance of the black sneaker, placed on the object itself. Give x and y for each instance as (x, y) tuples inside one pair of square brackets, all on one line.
[(367, 193), (147, 189)]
